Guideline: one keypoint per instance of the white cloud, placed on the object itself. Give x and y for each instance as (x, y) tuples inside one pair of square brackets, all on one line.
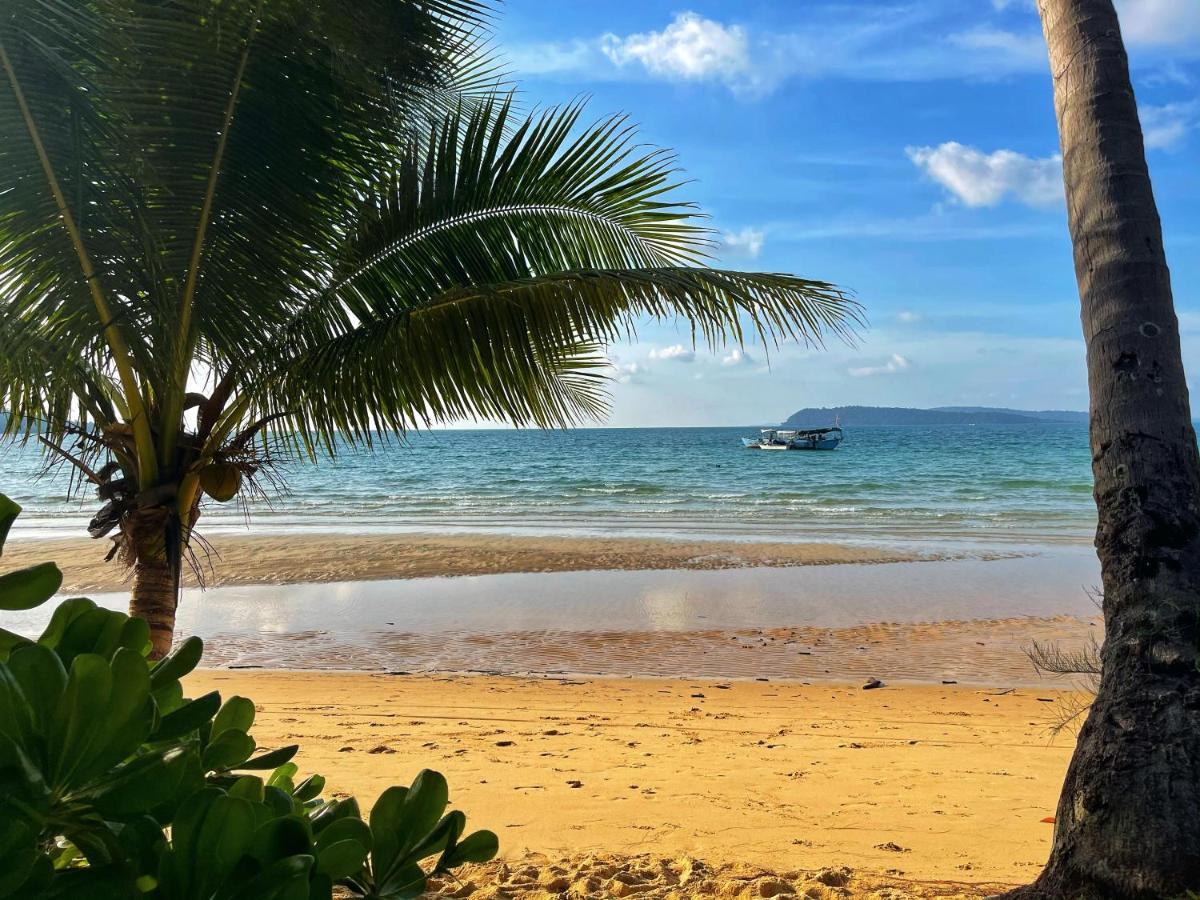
[(896, 363), (626, 372), (676, 352), (1165, 126), (908, 317), (746, 242), (880, 40), (690, 48), (985, 179), (1159, 22), (1027, 48), (737, 357)]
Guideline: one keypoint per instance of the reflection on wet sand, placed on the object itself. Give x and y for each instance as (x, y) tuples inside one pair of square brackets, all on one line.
[(986, 651)]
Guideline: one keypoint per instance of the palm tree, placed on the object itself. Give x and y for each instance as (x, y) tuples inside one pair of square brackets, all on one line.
[(1126, 822), (235, 229)]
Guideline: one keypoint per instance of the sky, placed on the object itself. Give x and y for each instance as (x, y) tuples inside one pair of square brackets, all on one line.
[(907, 151)]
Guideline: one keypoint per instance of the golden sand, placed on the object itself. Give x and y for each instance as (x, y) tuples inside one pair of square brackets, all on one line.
[(290, 559), (681, 788)]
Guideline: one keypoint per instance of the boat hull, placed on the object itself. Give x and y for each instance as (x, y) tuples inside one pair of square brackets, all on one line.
[(786, 439), (825, 444), (822, 444)]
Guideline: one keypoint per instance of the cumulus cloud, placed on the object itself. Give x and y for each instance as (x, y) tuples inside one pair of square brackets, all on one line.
[(626, 372), (676, 352), (690, 48), (976, 178), (747, 242), (908, 317), (1159, 22), (1164, 127), (896, 363), (737, 357), (873, 41)]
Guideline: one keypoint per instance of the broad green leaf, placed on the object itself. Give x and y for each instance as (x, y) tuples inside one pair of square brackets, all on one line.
[(347, 828), (341, 859), (271, 760), (286, 879), (79, 714), (279, 801), (129, 715), (477, 847), (30, 587), (8, 641), (9, 510), (135, 636), (310, 788), (185, 828), (96, 631), (169, 697), (143, 841), (180, 662), (17, 719), (386, 817), (236, 713), (224, 837), (228, 750), (188, 718), (280, 838), (423, 808), (64, 614), (137, 786), (18, 849), (334, 812), (283, 776), (248, 787), (42, 678), (442, 837), (406, 883)]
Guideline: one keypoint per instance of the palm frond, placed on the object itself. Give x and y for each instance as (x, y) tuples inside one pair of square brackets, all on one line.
[(496, 351)]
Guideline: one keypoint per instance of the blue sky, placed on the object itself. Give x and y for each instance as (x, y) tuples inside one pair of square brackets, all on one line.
[(905, 150)]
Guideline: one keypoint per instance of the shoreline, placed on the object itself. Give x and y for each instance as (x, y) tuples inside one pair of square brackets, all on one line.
[(918, 788), (980, 653), (313, 558)]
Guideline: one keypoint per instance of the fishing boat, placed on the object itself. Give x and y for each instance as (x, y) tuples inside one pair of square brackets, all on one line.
[(795, 439)]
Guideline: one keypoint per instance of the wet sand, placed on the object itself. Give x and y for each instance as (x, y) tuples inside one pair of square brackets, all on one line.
[(967, 620), (981, 652), (681, 788), (305, 558)]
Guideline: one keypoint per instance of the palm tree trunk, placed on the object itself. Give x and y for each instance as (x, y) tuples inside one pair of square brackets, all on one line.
[(1127, 817), (155, 592)]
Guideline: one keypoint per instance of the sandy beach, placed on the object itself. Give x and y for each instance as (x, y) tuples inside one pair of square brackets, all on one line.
[(767, 771), (679, 788), (299, 558)]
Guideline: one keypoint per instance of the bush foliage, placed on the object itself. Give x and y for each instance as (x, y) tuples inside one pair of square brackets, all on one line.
[(113, 784)]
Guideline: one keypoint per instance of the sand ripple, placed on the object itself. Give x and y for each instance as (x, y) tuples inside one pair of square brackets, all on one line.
[(981, 651), (597, 877)]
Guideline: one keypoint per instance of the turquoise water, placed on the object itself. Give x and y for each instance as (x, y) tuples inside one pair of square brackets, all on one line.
[(1016, 483)]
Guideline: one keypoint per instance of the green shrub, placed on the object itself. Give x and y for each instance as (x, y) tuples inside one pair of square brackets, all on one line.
[(114, 785)]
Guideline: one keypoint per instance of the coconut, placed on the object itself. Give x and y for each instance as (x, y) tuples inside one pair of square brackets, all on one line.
[(221, 481)]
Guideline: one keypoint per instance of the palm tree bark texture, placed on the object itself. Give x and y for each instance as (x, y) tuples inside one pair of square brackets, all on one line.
[(1126, 825)]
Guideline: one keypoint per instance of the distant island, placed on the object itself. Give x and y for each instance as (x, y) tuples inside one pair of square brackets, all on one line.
[(939, 415)]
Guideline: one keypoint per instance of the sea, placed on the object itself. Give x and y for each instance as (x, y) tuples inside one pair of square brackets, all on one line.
[(1006, 483), (1000, 516)]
